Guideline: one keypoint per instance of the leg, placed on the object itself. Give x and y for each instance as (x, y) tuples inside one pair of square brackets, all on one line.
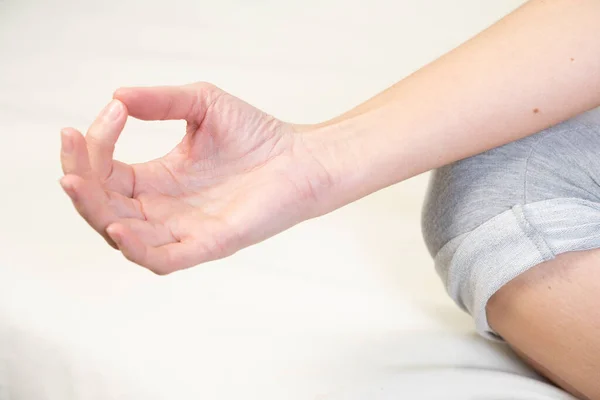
[(513, 233), (550, 316)]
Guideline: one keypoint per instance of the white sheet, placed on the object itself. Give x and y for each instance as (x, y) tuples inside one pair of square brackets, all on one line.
[(344, 307)]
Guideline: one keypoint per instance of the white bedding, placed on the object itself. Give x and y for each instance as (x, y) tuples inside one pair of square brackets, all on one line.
[(344, 307)]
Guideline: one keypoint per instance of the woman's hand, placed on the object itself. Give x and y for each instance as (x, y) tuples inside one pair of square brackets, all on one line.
[(237, 177)]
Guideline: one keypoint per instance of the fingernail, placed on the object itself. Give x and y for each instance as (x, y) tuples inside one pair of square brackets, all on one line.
[(114, 235), (68, 188), (113, 110), (67, 142)]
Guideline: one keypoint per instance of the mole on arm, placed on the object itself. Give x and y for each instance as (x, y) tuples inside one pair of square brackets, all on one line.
[(536, 110)]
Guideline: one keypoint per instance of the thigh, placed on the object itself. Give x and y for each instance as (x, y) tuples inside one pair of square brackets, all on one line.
[(550, 315), (489, 218)]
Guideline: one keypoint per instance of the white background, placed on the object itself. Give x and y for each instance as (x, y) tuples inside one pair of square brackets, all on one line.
[(346, 306)]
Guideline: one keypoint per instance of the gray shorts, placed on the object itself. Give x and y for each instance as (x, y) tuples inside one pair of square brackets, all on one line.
[(493, 216)]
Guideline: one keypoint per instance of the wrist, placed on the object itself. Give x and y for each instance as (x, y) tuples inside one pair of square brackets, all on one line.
[(354, 157)]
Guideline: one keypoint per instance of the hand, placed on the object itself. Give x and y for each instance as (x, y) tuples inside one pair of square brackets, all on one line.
[(238, 177)]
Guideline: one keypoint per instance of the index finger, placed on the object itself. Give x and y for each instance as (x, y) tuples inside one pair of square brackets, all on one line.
[(102, 136)]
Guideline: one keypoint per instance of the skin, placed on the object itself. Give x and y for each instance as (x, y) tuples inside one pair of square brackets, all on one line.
[(237, 177), (550, 317), (240, 175)]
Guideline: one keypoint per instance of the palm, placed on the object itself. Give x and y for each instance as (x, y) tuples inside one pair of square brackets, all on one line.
[(237, 177)]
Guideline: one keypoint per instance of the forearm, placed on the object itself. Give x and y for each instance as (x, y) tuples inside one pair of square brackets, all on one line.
[(536, 67)]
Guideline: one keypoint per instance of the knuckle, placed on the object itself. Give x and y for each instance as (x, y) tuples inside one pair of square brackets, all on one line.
[(206, 86)]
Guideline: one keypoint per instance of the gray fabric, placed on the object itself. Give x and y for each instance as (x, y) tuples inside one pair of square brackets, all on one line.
[(491, 217)]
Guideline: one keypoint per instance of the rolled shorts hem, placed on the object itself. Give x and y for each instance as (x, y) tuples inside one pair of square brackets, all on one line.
[(477, 264)]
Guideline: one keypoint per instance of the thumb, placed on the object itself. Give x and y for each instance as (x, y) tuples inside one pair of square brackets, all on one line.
[(188, 102)]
